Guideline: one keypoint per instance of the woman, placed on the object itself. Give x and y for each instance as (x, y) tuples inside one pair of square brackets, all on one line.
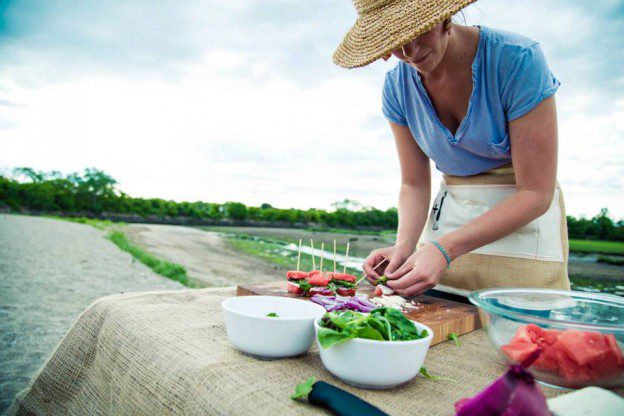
[(480, 103)]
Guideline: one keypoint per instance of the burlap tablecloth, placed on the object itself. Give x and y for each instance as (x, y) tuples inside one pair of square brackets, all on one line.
[(167, 353)]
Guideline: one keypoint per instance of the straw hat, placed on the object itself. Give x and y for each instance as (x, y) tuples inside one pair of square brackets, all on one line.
[(384, 25)]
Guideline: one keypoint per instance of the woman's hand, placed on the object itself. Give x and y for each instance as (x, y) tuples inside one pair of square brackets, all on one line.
[(421, 271), (394, 256)]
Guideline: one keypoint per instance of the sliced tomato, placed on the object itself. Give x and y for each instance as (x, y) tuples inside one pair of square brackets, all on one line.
[(319, 279), (294, 288), (343, 291), (296, 275)]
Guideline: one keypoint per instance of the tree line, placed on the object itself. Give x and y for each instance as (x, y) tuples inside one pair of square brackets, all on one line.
[(95, 192)]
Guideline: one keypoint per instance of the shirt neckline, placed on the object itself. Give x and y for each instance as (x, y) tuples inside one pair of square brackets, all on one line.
[(475, 67)]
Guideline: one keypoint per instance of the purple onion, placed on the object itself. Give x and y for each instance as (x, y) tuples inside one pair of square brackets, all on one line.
[(515, 393), (336, 303)]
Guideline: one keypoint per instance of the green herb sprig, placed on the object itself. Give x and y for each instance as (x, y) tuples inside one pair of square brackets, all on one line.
[(272, 315), (303, 389), (454, 337), (426, 374)]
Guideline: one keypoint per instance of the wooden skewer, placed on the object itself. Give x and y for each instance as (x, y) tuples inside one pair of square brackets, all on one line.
[(344, 269), (374, 268), (313, 262), (322, 252), (299, 255), (334, 256)]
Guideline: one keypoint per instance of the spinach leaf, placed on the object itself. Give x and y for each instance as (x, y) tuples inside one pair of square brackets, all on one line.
[(381, 281), (303, 389), (402, 328), (342, 283), (382, 325), (304, 285), (367, 332), (328, 337)]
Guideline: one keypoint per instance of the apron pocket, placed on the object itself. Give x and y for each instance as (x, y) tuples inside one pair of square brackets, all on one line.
[(456, 205)]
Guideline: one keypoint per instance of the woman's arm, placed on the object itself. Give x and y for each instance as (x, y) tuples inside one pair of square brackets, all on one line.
[(413, 204), (534, 156), (415, 190)]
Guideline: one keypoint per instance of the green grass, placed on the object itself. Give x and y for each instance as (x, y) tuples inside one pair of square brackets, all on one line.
[(162, 267), (275, 252), (99, 224), (596, 246), (345, 231), (611, 260), (588, 284), (172, 271)]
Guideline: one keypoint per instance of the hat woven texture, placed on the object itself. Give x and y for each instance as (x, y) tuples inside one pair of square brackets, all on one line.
[(385, 25)]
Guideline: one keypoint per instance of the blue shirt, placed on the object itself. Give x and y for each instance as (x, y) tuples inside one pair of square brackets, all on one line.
[(510, 78)]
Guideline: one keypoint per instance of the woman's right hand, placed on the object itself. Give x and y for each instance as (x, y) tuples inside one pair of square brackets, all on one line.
[(395, 256)]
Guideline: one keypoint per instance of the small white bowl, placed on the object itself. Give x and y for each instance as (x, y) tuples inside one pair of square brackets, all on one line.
[(375, 364), (253, 332)]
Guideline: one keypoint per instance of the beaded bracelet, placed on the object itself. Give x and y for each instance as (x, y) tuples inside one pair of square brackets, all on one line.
[(444, 253)]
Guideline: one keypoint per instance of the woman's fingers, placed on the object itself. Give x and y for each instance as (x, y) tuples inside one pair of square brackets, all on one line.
[(403, 268), (372, 261), (405, 281), (417, 289), (411, 284)]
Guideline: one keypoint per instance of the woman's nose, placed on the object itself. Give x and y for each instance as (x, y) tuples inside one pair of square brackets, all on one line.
[(409, 50)]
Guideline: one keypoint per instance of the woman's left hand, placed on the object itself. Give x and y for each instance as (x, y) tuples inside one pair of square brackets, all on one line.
[(421, 271)]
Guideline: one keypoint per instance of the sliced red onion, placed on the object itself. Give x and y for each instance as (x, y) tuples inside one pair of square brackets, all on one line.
[(337, 303), (513, 394)]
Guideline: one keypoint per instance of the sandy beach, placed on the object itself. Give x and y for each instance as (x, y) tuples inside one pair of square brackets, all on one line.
[(50, 271)]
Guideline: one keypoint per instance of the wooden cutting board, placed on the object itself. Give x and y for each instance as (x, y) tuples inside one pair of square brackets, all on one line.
[(441, 315)]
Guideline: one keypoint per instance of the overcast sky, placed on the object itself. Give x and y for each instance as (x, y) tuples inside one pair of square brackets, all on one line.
[(239, 100)]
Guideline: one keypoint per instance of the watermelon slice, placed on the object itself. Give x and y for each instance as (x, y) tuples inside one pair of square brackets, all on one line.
[(584, 347), (577, 356), (615, 349), (296, 274), (294, 288), (519, 351), (343, 291), (528, 333), (319, 279)]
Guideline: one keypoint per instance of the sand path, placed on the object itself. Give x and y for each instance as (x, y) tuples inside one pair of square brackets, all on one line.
[(207, 257), (50, 271)]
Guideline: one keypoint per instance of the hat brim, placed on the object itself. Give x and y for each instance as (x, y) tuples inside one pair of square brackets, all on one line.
[(377, 34)]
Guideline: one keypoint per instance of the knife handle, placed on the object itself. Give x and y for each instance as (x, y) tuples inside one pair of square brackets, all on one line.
[(341, 402)]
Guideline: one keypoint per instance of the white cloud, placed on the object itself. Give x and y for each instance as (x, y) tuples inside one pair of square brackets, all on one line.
[(262, 115)]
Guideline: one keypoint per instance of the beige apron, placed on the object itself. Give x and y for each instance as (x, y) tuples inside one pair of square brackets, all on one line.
[(534, 256)]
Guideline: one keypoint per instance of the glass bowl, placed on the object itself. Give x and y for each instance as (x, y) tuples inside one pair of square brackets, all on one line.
[(579, 335)]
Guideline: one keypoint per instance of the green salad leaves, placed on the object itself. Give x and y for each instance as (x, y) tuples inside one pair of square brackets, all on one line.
[(382, 324)]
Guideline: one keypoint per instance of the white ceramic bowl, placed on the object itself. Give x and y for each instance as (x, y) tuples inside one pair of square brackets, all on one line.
[(376, 364), (253, 332)]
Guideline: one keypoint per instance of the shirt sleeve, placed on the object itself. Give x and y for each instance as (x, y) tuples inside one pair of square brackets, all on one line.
[(390, 102), (529, 83)]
